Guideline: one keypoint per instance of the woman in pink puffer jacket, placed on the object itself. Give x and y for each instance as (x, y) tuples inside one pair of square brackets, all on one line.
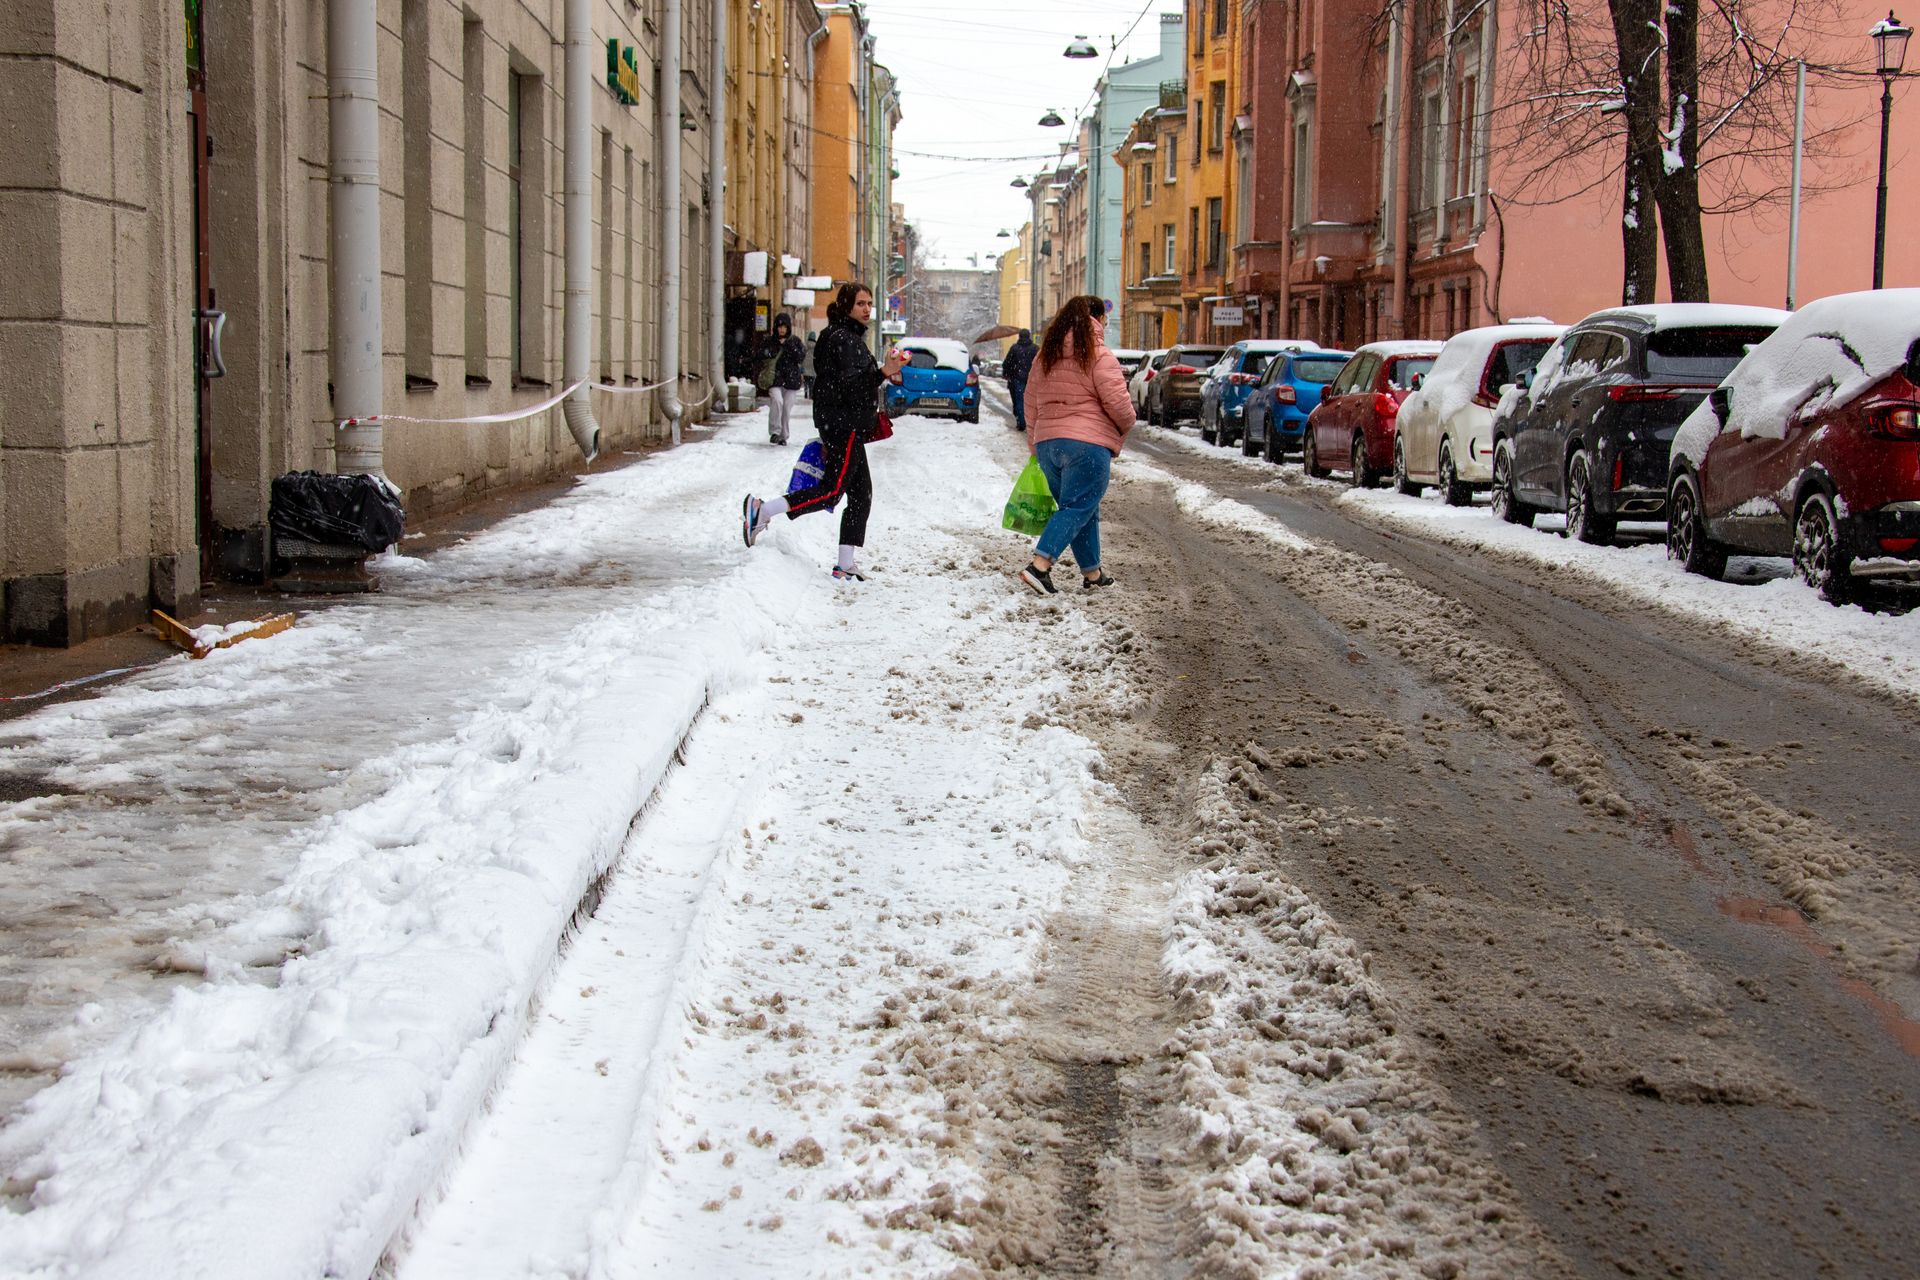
[(1078, 416)]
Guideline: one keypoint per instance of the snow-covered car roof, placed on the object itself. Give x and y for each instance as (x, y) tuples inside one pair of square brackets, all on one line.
[(1692, 315), (950, 352), (1820, 358), (1404, 347), (1455, 375), (1129, 353), (1267, 345)]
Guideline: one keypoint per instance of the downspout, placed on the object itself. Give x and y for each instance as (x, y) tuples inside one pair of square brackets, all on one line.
[(577, 408), (1444, 169), (353, 257), (717, 205), (670, 201), (1402, 168)]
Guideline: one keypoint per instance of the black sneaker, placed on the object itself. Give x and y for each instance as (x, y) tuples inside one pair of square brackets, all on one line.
[(1040, 580), (1104, 580)]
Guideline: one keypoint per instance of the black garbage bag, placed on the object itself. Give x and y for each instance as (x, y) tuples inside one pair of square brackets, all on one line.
[(355, 511)]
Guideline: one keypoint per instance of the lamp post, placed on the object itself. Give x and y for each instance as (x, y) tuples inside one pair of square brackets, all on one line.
[(1889, 54)]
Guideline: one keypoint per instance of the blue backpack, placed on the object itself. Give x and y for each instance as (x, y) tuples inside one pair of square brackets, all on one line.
[(810, 471)]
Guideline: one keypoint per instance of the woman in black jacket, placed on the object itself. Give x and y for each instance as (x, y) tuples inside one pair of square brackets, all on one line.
[(788, 354), (846, 397)]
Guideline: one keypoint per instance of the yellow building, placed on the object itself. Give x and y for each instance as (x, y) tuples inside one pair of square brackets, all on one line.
[(1151, 276), (1016, 289), (855, 109), (1204, 176), (769, 146)]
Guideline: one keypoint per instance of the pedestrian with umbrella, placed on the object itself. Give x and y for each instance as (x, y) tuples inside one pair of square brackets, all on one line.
[(1017, 367)]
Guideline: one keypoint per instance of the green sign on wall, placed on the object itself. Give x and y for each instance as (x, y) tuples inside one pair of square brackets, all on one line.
[(623, 73), (193, 35)]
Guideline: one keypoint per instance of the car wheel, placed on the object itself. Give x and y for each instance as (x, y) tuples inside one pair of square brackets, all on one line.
[(1166, 417), (1209, 435), (1248, 447), (1400, 478), (1506, 501), (1583, 522), (1687, 539), (1361, 476), (1310, 457), (1819, 557), (1270, 444), (1455, 493)]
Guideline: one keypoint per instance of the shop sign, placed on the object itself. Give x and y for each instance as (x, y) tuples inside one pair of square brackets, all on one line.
[(623, 73), (1229, 316)]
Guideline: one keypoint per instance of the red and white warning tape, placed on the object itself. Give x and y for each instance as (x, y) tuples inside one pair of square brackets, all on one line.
[(520, 415)]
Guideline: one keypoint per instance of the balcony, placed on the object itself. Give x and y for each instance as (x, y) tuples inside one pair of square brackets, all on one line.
[(1173, 95)]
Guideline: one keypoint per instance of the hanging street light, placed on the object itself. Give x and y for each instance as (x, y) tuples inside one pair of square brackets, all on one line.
[(1004, 234), (1889, 54), (1081, 48), (1019, 182), (1051, 120)]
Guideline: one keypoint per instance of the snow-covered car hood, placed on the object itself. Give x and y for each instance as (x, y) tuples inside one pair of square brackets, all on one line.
[(1820, 358)]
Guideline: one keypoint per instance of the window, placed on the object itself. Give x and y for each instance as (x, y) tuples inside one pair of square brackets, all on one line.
[(416, 151), (1243, 183), (1171, 145), (1193, 240), (1196, 11), (1432, 150), (606, 256), (1219, 17), (516, 238), (1146, 182), (1302, 171), (1146, 259), (1216, 247), (1172, 263), (1217, 116), (1465, 128)]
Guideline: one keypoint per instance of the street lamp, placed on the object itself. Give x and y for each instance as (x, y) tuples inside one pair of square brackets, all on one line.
[(1004, 234), (1081, 48), (1019, 182), (1889, 53), (1051, 120)]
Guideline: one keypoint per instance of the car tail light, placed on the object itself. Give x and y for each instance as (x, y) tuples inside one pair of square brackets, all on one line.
[(1619, 470), (1632, 393), (1150, 374), (1284, 395), (973, 379), (1899, 546), (1243, 379), (1181, 368), (1385, 405), (1894, 421), (1486, 401)]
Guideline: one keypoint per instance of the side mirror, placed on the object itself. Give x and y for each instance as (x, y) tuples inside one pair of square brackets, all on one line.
[(1526, 381), (1913, 363), (1720, 400), (1418, 379)]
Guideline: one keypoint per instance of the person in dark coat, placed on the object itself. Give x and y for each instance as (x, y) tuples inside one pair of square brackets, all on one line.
[(846, 398), (1016, 367), (788, 354)]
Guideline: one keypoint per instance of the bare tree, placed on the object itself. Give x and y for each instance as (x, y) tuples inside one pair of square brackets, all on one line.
[(1690, 102)]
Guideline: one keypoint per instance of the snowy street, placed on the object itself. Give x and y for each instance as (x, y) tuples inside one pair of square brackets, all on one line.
[(1359, 888)]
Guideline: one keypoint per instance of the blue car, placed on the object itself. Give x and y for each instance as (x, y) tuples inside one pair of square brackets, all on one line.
[(938, 380), (1224, 393), (1289, 390)]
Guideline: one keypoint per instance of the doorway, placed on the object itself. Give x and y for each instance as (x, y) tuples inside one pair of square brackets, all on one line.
[(208, 320)]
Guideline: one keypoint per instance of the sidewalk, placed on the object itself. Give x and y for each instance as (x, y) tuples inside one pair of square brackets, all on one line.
[(277, 917)]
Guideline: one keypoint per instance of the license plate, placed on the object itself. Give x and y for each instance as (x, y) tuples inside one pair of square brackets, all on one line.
[(940, 401)]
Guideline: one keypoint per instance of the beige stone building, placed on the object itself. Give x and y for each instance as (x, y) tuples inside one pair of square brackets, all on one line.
[(168, 337)]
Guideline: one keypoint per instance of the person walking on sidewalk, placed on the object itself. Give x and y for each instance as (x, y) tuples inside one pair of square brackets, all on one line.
[(789, 354), (846, 398), (1078, 416), (1016, 368), (806, 367)]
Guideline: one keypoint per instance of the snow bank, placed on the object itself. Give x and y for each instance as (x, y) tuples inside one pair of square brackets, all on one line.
[(1208, 507)]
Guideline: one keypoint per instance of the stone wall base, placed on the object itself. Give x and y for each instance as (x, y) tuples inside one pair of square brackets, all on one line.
[(64, 609)]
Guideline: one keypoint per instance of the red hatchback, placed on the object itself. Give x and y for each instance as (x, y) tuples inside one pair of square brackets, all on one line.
[(1809, 448), (1352, 429)]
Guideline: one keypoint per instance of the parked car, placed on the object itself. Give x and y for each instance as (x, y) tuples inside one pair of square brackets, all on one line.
[(1173, 395), (1130, 358), (1137, 381), (990, 368), (1276, 411), (1809, 448), (1353, 426), (1591, 433), (1444, 434), (1223, 395), (938, 380)]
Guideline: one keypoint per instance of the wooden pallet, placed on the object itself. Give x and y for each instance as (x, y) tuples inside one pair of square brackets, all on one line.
[(180, 637)]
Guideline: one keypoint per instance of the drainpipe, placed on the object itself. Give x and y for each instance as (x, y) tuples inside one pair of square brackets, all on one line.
[(1402, 167), (670, 214), (577, 409), (353, 257), (717, 205)]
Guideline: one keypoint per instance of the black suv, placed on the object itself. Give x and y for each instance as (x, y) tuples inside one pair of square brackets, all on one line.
[(1588, 431)]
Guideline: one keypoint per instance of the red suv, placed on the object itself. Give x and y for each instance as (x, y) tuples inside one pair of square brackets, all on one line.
[(1809, 448), (1352, 429)]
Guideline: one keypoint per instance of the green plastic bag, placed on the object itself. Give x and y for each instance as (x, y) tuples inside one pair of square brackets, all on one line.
[(1031, 504)]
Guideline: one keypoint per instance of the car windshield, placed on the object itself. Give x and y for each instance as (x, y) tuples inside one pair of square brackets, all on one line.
[(1322, 370), (1702, 354), (1514, 359), (1199, 357), (1402, 372)]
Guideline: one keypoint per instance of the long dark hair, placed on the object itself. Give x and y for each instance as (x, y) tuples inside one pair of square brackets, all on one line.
[(1076, 319), (842, 305)]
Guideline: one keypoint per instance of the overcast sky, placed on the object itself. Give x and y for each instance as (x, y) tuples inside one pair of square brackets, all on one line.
[(975, 76)]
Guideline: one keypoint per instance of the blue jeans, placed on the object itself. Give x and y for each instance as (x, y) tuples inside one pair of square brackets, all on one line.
[(1077, 472)]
